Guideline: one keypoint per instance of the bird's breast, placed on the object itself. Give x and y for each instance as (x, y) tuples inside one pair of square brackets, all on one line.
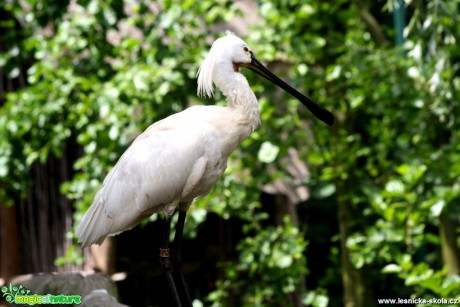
[(215, 165)]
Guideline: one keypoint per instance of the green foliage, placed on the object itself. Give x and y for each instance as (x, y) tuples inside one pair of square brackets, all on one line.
[(270, 266), (102, 73), (426, 282)]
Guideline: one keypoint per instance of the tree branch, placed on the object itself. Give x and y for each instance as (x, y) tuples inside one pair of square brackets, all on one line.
[(372, 24)]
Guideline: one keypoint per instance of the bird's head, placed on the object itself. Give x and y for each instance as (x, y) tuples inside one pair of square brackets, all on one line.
[(227, 51), (231, 52)]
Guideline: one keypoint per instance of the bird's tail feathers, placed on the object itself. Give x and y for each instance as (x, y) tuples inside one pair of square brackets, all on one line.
[(91, 229)]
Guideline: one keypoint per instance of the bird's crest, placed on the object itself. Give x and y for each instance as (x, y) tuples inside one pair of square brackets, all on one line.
[(205, 72)]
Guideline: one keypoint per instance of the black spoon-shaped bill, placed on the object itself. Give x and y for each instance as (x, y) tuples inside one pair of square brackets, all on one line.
[(317, 110)]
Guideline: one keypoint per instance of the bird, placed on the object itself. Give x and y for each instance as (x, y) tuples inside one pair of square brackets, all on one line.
[(181, 157)]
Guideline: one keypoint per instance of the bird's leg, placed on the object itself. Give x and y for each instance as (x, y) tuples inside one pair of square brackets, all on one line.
[(165, 261), (177, 260)]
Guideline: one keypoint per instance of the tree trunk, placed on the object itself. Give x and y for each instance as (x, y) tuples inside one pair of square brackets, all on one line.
[(450, 250), (356, 290), (9, 249), (283, 206), (46, 215)]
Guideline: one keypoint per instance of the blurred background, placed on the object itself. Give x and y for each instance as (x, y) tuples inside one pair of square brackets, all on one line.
[(305, 214)]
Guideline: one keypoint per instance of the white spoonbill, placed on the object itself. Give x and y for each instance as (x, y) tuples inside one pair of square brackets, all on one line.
[(182, 156)]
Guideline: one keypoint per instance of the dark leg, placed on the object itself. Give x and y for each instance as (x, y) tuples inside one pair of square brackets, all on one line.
[(177, 260), (166, 263)]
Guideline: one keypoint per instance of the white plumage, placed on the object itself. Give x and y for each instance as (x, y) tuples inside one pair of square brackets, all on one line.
[(180, 157)]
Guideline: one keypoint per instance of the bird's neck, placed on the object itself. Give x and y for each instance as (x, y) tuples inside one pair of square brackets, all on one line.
[(241, 99)]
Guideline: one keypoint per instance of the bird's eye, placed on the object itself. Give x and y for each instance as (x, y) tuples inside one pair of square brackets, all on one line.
[(246, 49)]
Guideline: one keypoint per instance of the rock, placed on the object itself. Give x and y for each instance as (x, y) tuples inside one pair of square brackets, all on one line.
[(100, 298), (95, 289)]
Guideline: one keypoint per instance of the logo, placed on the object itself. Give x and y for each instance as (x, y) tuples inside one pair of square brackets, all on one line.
[(21, 295)]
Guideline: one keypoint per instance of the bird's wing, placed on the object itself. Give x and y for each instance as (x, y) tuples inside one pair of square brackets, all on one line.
[(161, 166)]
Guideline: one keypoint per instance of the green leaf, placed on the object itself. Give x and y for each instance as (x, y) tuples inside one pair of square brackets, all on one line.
[(391, 268), (284, 261), (268, 152), (395, 187), (327, 190)]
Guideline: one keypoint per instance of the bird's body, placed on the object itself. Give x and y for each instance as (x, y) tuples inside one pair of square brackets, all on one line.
[(174, 161), (182, 156)]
